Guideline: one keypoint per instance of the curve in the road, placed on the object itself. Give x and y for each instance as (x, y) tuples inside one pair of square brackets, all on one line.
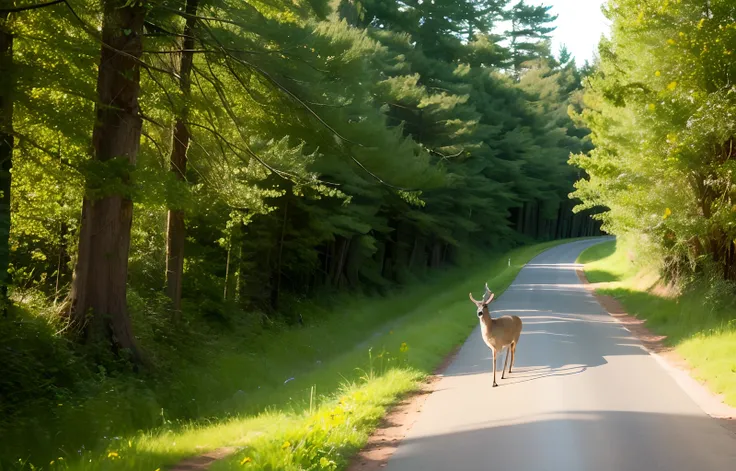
[(584, 395)]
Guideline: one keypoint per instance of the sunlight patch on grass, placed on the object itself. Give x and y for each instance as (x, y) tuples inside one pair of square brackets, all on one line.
[(606, 262)]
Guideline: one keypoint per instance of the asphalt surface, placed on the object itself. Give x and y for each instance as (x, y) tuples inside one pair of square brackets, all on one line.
[(584, 395)]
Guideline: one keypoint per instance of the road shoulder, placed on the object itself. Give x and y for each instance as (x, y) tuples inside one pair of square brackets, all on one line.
[(666, 356), (397, 422)]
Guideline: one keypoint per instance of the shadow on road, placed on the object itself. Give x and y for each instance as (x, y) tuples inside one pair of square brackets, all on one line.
[(565, 331), (576, 441)]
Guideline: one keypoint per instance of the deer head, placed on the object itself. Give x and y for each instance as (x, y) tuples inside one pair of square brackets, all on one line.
[(482, 305)]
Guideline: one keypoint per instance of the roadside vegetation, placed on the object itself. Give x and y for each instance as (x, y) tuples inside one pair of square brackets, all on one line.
[(305, 398), (698, 317), (213, 208)]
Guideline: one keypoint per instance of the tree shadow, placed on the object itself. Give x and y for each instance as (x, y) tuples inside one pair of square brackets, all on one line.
[(551, 345), (565, 330), (601, 440)]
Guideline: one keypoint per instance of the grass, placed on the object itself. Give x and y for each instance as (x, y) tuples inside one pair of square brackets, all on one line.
[(301, 398), (698, 323)]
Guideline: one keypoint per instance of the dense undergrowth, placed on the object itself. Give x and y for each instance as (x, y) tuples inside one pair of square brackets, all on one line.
[(697, 316), (211, 382)]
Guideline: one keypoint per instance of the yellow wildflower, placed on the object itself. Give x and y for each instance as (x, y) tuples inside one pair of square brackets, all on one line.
[(657, 73), (672, 86), (112, 455), (286, 445), (245, 460), (667, 213), (651, 106), (671, 42)]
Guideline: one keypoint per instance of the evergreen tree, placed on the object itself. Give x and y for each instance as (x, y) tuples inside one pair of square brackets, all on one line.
[(299, 151), (529, 34)]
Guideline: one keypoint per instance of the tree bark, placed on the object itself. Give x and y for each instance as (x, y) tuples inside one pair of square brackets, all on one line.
[(6, 152), (97, 303), (341, 263), (62, 262), (276, 293), (176, 227)]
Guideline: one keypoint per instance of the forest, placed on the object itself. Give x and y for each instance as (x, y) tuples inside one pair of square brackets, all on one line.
[(180, 174)]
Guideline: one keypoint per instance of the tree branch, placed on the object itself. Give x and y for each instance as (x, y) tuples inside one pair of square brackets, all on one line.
[(91, 31), (31, 7)]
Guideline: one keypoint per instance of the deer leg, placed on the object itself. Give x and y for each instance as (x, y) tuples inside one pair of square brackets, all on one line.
[(505, 362), (493, 355), (513, 356)]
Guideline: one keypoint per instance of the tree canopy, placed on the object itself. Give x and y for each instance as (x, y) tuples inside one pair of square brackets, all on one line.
[(660, 107)]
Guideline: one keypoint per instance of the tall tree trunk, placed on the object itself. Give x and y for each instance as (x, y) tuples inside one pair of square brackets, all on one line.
[(97, 302), (413, 251), (6, 152), (276, 292), (62, 262), (176, 228), (227, 268), (338, 260)]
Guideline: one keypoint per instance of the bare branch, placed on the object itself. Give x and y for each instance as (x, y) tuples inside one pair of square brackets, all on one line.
[(177, 51), (31, 7), (444, 157), (161, 29), (151, 120), (278, 85), (155, 144), (92, 33)]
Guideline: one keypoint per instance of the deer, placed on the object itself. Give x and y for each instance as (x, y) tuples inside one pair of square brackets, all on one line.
[(502, 332)]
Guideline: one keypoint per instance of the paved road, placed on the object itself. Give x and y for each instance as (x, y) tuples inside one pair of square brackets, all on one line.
[(584, 396)]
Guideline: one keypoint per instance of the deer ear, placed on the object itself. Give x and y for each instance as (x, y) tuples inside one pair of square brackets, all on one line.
[(488, 301)]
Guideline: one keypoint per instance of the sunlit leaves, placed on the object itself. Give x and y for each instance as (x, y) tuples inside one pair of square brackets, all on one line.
[(674, 136)]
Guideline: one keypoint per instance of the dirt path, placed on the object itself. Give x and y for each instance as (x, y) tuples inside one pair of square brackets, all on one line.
[(202, 462)]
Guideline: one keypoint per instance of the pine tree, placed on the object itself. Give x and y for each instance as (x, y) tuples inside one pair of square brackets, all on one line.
[(176, 228), (529, 33), (98, 301)]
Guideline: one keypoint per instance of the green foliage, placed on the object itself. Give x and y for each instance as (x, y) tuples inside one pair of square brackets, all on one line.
[(660, 109), (212, 385), (348, 147)]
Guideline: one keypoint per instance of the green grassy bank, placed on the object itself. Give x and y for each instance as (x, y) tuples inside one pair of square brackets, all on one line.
[(699, 323), (297, 398)]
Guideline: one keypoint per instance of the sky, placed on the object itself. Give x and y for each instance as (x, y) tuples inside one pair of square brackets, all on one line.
[(580, 24)]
